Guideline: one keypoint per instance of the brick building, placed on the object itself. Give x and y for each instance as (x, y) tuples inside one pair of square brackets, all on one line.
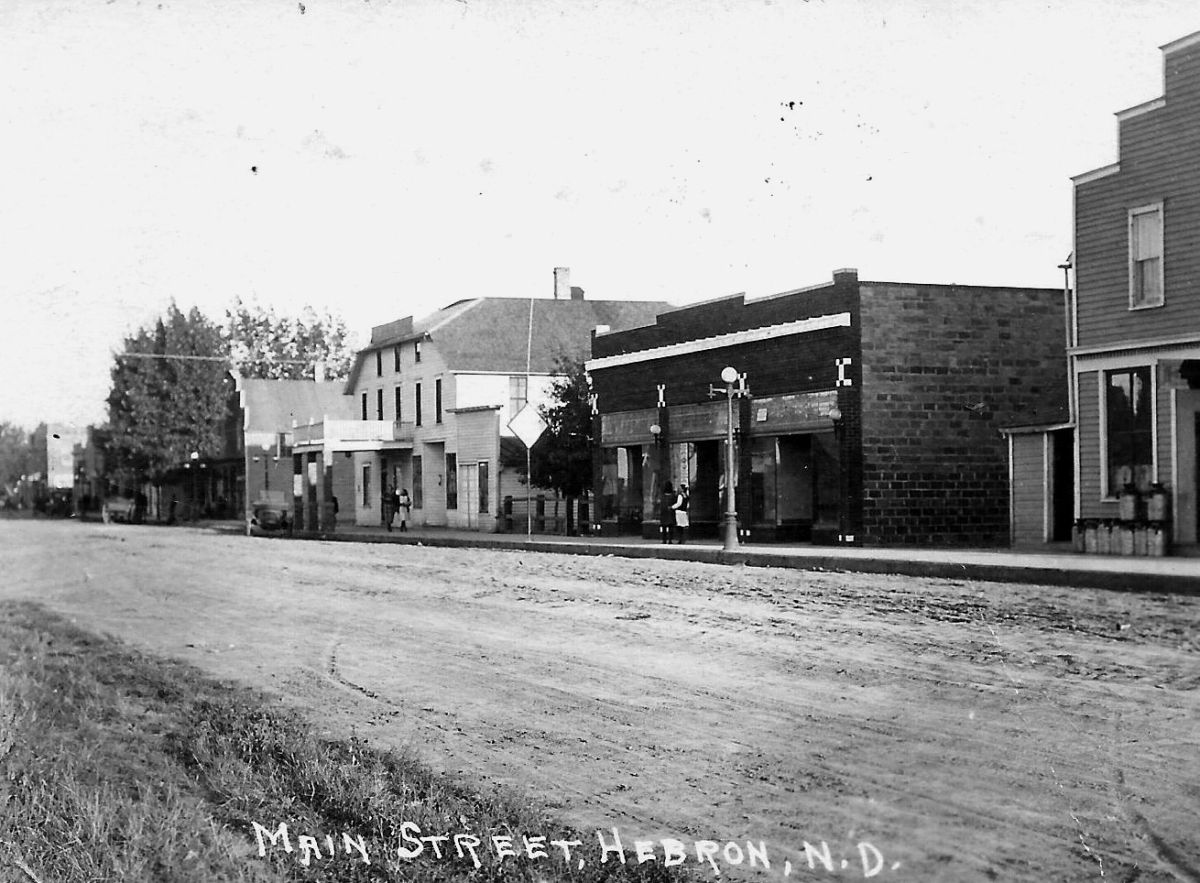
[(869, 411)]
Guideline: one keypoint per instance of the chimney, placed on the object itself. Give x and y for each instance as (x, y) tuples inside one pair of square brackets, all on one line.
[(562, 283), (576, 293), (846, 275)]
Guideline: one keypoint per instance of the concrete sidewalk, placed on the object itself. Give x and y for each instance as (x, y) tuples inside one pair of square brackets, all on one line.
[(1055, 568)]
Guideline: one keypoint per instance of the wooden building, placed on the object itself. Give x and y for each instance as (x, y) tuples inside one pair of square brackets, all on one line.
[(432, 400), (1137, 312)]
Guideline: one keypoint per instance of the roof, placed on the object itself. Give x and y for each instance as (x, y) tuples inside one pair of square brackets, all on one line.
[(272, 405), (493, 333)]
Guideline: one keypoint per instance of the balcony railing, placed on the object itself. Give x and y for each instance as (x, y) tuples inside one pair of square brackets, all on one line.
[(345, 433)]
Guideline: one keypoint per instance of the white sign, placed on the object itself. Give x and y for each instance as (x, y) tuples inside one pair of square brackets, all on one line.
[(528, 425)]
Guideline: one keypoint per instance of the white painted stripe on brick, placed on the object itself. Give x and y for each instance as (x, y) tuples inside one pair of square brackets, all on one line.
[(736, 338)]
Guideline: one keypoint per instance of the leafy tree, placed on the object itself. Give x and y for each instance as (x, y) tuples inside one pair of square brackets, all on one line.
[(168, 394), (16, 453), (562, 458), (268, 346)]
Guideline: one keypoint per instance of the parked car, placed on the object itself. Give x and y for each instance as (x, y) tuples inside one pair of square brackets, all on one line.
[(119, 509), (268, 518)]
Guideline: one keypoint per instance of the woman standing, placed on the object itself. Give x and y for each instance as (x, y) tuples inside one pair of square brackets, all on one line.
[(666, 513), (682, 520)]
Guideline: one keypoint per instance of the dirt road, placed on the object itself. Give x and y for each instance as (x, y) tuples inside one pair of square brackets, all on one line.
[(965, 731)]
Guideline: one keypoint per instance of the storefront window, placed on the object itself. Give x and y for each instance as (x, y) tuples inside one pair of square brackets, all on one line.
[(827, 469), (621, 494), (763, 487), (1130, 435)]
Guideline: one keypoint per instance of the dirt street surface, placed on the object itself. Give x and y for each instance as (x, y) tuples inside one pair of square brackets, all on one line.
[(965, 731)]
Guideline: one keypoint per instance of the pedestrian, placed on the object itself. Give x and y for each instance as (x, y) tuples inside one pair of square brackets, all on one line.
[(666, 512), (682, 520), (403, 504), (393, 505)]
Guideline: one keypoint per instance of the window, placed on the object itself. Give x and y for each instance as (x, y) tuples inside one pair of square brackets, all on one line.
[(518, 395), (1146, 257), (418, 411), (418, 491), (452, 481), (378, 363), (437, 400), (364, 406), (366, 487), (399, 398), (416, 351), (483, 487), (396, 357), (379, 404), (1128, 430)]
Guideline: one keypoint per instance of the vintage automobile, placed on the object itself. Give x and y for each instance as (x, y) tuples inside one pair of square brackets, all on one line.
[(118, 509), (268, 518)]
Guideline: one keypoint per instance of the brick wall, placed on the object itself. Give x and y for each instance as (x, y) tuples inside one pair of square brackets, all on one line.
[(944, 368)]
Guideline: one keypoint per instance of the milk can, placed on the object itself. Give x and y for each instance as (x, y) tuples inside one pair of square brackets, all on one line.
[(1091, 536), (1157, 542), (1157, 502), (1124, 532), (1127, 503), (1141, 537), (1079, 535), (1104, 537)]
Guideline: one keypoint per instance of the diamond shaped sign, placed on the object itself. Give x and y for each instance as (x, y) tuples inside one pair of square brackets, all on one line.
[(528, 425)]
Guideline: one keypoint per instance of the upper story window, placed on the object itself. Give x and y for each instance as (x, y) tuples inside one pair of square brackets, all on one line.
[(416, 351), (379, 404), (396, 358), (1128, 429), (399, 400), (417, 403), (1146, 256), (518, 395), (364, 406), (378, 363), (437, 400)]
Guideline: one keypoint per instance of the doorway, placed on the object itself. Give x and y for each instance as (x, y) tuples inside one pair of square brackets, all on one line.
[(469, 485)]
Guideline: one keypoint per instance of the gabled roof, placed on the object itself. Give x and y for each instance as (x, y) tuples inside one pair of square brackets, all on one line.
[(272, 405), (493, 333)]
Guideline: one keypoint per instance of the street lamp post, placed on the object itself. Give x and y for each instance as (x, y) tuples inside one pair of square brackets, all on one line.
[(266, 449), (729, 534), (195, 457)]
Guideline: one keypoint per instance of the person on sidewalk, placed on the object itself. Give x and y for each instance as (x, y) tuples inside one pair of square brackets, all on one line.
[(403, 505), (682, 520), (666, 512), (393, 506)]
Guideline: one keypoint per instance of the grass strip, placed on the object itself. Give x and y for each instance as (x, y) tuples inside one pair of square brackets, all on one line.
[(117, 765)]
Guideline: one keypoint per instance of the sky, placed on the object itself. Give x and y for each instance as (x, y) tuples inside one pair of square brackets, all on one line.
[(384, 158)]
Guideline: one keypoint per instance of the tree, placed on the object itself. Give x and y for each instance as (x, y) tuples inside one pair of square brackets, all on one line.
[(16, 454), (268, 346), (168, 394), (562, 458)]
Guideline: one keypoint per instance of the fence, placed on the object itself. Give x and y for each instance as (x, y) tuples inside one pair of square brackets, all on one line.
[(543, 514)]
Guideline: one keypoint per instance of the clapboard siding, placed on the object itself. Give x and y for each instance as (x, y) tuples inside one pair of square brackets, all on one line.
[(1090, 466), (1028, 489), (1159, 158)]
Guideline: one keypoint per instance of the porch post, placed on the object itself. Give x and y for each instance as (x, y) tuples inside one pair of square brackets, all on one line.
[(328, 519), (311, 517), (297, 491)]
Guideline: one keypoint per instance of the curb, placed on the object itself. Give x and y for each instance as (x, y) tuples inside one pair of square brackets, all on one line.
[(1005, 573)]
